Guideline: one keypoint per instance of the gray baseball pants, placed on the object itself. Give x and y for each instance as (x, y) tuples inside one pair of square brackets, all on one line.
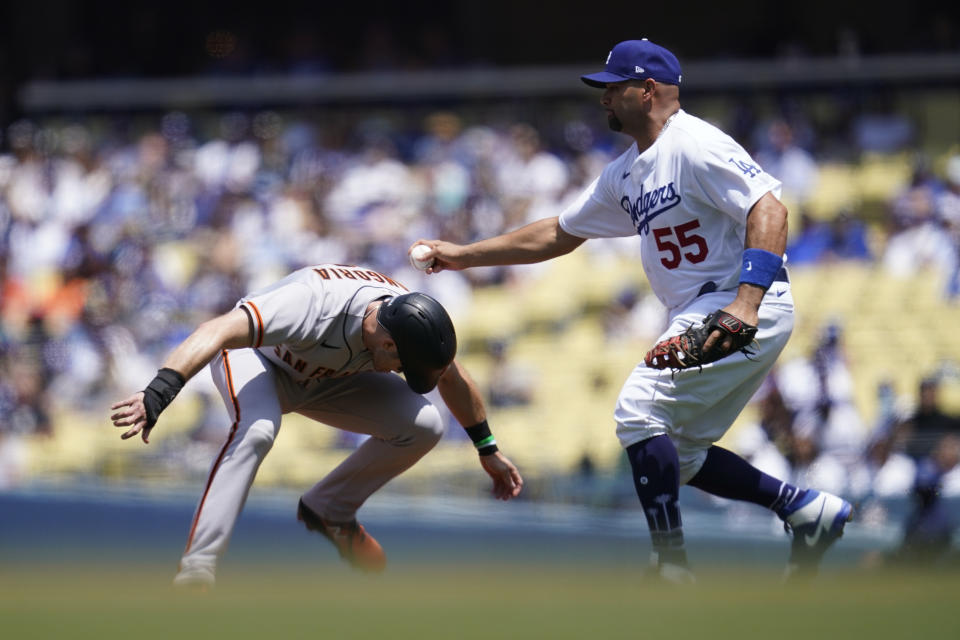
[(403, 426)]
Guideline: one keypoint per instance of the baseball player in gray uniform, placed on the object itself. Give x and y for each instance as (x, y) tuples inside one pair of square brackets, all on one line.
[(322, 342), (712, 234)]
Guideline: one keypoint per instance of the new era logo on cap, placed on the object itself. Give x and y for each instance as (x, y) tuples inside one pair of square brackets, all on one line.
[(637, 60)]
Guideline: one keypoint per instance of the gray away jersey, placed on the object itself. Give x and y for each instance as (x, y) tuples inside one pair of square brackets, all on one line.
[(309, 323)]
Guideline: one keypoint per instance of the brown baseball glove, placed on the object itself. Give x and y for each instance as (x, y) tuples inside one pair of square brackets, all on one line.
[(686, 350)]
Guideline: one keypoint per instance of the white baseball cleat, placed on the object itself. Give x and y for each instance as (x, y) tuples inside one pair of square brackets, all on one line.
[(195, 579), (670, 572), (676, 574), (816, 524)]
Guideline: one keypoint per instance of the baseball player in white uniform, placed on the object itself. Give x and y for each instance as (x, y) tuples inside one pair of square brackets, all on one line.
[(712, 235), (322, 342)]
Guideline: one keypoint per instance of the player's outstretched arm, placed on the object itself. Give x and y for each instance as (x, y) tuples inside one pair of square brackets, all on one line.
[(536, 242), (139, 412), (462, 397)]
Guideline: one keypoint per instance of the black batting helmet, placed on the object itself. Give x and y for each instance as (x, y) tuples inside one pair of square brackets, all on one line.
[(423, 332)]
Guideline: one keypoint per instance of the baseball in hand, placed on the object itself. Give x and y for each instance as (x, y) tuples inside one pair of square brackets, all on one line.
[(416, 257)]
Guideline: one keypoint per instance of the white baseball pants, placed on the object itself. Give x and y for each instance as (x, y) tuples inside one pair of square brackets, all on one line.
[(696, 407)]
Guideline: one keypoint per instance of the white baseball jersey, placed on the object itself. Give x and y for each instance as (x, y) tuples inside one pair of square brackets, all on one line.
[(309, 323), (687, 196)]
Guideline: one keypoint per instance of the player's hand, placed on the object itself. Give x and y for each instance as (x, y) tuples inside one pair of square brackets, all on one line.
[(132, 413), (446, 255), (506, 479), (745, 310)]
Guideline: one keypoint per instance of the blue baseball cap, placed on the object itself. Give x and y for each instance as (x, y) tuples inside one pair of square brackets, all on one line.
[(637, 60)]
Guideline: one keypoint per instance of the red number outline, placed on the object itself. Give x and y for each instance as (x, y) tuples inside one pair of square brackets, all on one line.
[(692, 239), (660, 236), (686, 239)]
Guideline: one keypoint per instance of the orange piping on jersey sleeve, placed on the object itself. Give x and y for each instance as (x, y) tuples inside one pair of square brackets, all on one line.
[(259, 340)]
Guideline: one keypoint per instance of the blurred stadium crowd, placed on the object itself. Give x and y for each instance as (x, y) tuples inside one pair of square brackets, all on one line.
[(118, 235), (114, 247)]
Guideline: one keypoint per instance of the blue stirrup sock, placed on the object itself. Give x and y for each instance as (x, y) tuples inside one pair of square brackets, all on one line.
[(727, 475), (656, 476)]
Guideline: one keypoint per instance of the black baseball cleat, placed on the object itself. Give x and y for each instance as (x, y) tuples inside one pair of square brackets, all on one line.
[(355, 545), (815, 524)]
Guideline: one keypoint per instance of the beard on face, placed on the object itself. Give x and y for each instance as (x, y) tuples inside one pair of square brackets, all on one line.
[(614, 123)]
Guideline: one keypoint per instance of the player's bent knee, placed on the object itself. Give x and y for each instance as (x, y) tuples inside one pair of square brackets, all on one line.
[(426, 428), (430, 422), (260, 437)]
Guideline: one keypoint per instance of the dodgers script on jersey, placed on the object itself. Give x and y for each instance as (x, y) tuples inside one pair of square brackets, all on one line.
[(687, 196), (309, 323)]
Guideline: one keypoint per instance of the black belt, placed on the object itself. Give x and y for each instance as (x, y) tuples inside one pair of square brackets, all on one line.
[(710, 286)]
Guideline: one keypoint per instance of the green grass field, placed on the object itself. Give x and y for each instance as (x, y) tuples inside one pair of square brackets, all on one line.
[(510, 601)]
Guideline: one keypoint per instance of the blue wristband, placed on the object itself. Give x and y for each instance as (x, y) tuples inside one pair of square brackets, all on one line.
[(760, 267)]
